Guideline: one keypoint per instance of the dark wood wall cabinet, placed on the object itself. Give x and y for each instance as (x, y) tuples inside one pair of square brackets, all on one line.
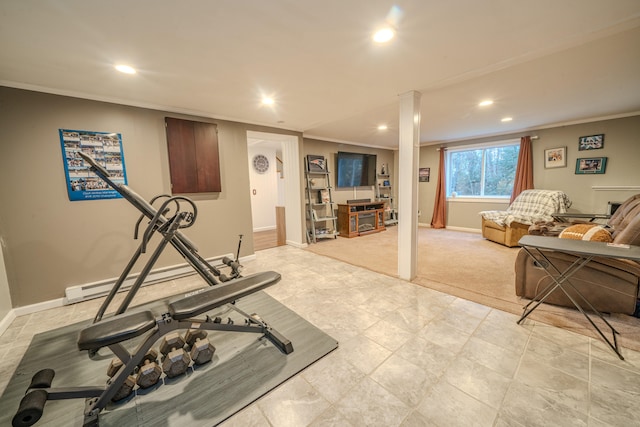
[(194, 162)]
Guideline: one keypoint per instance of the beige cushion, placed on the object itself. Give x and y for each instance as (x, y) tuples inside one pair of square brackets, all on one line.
[(590, 232)]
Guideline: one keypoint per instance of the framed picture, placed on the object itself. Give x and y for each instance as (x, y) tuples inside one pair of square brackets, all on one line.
[(591, 142), (316, 163), (423, 174), (106, 149), (323, 196), (591, 165), (555, 157)]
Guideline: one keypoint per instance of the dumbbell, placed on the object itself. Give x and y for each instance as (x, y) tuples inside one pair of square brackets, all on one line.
[(114, 367), (201, 349), (175, 359), (125, 389), (148, 370)]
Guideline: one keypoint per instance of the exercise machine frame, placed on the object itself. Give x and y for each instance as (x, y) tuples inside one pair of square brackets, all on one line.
[(169, 228), (113, 332)]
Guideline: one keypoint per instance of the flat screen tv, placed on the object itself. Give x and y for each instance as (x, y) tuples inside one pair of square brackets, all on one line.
[(355, 169)]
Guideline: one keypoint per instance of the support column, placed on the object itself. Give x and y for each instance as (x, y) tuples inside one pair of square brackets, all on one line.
[(409, 156)]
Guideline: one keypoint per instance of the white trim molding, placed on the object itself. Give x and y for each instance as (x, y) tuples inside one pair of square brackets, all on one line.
[(6, 321), (615, 187)]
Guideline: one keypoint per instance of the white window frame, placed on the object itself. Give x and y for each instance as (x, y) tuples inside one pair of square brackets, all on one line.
[(482, 146)]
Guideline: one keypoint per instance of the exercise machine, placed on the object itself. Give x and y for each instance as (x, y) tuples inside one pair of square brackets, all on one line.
[(124, 329), (167, 220), (115, 331)]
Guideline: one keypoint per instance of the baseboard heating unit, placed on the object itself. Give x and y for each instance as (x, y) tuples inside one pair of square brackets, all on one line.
[(79, 293)]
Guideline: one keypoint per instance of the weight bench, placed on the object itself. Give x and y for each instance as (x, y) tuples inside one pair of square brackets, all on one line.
[(116, 330)]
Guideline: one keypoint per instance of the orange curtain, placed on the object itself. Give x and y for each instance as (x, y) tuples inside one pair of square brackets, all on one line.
[(438, 220), (524, 169)]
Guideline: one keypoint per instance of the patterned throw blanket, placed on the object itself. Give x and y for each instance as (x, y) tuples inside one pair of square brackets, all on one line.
[(531, 206)]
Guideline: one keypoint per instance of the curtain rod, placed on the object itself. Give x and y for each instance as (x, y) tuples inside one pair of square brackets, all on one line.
[(533, 138)]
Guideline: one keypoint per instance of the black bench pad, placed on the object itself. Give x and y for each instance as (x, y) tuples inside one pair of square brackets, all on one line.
[(224, 293), (115, 329)]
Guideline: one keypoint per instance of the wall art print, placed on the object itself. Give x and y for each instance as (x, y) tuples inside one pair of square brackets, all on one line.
[(591, 165), (106, 148), (591, 142)]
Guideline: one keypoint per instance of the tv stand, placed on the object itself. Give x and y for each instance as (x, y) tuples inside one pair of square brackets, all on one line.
[(357, 219)]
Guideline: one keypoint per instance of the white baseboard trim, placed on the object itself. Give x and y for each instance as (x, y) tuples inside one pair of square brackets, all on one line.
[(244, 259), (6, 321), (40, 306), (296, 244), (267, 228), (468, 230)]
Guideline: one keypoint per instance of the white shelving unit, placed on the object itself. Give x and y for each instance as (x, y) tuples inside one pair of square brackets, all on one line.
[(384, 193), (321, 218)]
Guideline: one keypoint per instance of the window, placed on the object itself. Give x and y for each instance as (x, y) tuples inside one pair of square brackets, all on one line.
[(487, 171)]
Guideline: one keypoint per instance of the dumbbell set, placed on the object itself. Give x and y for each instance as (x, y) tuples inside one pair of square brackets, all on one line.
[(177, 355)]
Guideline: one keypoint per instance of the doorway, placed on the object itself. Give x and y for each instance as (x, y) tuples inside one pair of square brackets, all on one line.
[(274, 176)]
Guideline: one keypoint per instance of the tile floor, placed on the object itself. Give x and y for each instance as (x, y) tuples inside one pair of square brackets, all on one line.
[(408, 356)]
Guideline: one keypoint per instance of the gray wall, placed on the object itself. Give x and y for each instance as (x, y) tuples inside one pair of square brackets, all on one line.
[(52, 243), (621, 147)]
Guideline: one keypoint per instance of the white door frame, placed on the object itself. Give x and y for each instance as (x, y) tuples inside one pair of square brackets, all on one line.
[(291, 171)]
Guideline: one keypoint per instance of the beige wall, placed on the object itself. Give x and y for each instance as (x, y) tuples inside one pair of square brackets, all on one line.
[(621, 147), (5, 296), (330, 149), (52, 243)]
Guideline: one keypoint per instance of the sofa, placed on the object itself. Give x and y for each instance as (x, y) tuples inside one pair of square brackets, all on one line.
[(610, 284), (531, 206)]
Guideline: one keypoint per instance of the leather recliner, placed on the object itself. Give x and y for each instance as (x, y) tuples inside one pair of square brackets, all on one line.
[(610, 284)]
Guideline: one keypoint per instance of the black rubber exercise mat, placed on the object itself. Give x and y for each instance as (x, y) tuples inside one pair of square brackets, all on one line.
[(244, 367)]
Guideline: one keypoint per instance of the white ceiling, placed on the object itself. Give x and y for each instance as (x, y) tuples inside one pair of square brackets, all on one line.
[(544, 62)]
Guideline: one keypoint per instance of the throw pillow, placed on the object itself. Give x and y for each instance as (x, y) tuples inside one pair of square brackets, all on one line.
[(591, 232)]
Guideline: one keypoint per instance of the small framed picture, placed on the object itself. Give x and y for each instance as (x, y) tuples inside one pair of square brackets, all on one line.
[(591, 165), (323, 196), (555, 157), (591, 142), (423, 174), (316, 163)]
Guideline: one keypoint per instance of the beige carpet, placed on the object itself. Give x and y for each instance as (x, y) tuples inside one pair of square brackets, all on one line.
[(469, 267)]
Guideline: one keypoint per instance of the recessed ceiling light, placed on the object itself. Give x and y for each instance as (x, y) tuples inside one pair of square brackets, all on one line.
[(383, 35), (506, 119), (485, 103), (267, 101), (382, 127), (125, 69)]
